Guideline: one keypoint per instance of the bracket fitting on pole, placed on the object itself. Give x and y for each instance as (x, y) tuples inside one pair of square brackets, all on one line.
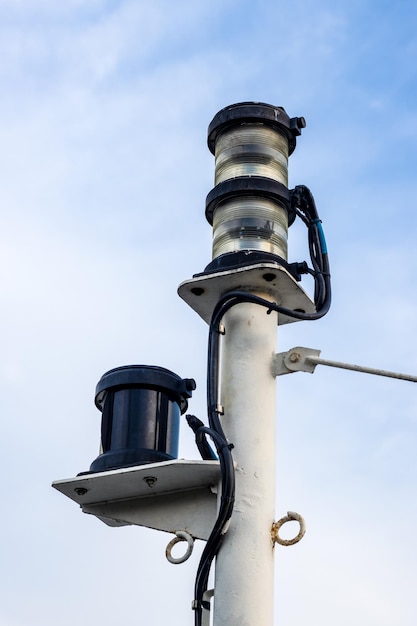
[(291, 516), (181, 535), (295, 360), (305, 360)]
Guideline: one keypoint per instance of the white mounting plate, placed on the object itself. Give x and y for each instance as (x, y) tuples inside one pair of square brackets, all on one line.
[(282, 289), (170, 496), (130, 482), (294, 360)]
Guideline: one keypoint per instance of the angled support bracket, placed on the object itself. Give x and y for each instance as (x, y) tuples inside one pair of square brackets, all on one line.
[(294, 360), (305, 360), (169, 496)]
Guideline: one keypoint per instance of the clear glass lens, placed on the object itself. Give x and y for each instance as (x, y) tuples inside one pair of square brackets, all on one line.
[(250, 224), (252, 150)]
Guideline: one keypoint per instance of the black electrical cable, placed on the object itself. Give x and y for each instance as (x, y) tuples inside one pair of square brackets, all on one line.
[(203, 445), (223, 448), (225, 511), (305, 207)]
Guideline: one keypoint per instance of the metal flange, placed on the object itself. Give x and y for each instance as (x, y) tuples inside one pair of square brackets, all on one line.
[(167, 496), (203, 292)]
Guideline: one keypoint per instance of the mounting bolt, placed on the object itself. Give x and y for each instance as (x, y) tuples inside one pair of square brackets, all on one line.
[(294, 357)]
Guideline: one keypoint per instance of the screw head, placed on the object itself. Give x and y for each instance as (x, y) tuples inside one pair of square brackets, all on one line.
[(294, 357), (197, 291), (150, 481)]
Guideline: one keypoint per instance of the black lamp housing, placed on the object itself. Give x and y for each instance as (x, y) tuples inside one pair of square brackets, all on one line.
[(250, 205), (141, 407)]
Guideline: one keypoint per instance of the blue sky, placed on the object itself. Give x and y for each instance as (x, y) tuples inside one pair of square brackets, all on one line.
[(104, 171)]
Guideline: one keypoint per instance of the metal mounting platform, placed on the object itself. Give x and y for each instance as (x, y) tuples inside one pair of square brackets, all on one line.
[(203, 292), (169, 496)]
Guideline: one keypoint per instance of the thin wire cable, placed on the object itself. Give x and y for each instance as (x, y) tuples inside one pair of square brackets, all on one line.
[(316, 360)]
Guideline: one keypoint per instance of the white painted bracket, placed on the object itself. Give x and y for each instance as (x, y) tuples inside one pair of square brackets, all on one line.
[(295, 360), (169, 496), (203, 292)]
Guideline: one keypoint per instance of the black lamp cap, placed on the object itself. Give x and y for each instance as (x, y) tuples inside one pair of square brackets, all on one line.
[(255, 112), (145, 377), (244, 186)]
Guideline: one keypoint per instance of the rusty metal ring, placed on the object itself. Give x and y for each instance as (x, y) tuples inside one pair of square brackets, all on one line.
[(290, 517), (181, 535)]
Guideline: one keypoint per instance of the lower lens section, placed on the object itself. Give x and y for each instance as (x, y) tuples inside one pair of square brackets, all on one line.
[(250, 224)]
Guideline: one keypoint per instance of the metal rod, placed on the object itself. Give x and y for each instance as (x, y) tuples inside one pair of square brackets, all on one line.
[(316, 360)]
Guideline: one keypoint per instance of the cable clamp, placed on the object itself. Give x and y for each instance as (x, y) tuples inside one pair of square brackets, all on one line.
[(200, 604), (225, 446), (322, 238), (271, 308)]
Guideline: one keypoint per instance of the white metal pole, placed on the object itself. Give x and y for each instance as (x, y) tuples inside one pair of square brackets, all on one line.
[(244, 574)]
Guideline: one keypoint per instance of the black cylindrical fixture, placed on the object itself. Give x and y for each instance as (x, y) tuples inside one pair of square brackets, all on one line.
[(249, 207), (141, 407)]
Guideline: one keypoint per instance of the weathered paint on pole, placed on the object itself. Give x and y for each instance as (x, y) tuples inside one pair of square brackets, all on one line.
[(244, 578)]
